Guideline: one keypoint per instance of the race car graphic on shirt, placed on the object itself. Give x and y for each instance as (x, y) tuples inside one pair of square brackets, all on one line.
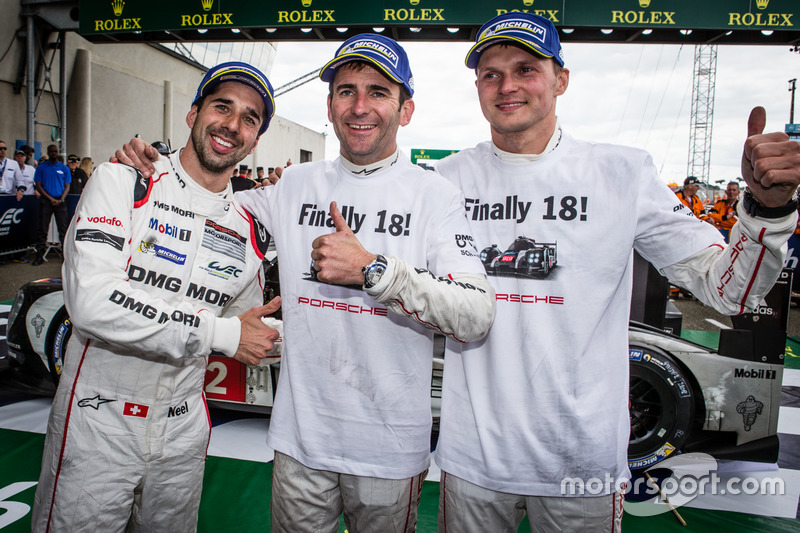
[(525, 257)]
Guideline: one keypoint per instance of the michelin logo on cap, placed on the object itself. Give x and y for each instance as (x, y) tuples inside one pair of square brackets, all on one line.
[(374, 45), (517, 24)]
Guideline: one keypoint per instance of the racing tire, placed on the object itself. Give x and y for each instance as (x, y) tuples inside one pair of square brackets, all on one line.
[(56, 343), (661, 405)]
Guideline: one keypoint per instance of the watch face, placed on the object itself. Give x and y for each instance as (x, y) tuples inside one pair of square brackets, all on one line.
[(374, 273)]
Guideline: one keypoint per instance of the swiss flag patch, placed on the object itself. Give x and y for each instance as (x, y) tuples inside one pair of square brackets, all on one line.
[(135, 409)]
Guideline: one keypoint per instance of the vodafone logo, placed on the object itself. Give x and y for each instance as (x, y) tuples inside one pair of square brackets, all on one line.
[(113, 221)]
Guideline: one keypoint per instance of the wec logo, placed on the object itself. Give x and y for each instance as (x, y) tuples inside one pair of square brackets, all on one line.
[(224, 271), (11, 216)]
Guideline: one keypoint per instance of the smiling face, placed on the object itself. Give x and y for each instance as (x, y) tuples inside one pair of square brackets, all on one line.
[(517, 92), (225, 129), (365, 110)]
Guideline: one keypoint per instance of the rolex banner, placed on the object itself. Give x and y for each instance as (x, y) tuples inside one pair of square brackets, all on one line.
[(126, 16)]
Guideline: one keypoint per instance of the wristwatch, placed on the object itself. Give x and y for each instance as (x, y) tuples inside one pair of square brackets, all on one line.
[(374, 271), (753, 208)]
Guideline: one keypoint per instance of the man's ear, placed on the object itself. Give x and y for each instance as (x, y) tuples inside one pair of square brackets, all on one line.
[(191, 116), (562, 82), (406, 111)]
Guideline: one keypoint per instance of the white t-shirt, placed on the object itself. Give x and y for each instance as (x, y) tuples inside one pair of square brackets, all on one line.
[(354, 390), (26, 180), (545, 395), (10, 174)]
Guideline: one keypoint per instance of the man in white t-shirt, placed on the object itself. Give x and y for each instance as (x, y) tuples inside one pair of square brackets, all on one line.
[(10, 173), (25, 185), (544, 397), (375, 256)]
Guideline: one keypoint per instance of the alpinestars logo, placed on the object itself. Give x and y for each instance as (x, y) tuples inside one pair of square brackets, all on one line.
[(94, 403)]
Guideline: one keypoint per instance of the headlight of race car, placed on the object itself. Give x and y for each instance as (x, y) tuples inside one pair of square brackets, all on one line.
[(533, 258), (483, 255), (15, 307)]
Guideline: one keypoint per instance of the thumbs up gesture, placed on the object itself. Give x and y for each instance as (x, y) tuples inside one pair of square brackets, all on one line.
[(770, 162), (338, 257)]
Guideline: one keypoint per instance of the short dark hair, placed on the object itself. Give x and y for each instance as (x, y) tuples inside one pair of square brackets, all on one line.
[(358, 66)]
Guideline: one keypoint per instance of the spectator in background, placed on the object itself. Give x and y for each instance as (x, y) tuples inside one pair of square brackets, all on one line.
[(241, 183), (723, 214), (29, 152), (243, 171), (25, 186), (78, 178), (688, 197), (81, 175), (10, 172), (52, 179), (260, 174)]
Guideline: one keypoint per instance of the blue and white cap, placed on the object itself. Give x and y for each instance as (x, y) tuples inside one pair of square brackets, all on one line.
[(381, 52), (534, 32), (241, 73)]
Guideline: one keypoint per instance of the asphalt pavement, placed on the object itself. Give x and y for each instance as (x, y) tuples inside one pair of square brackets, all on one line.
[(15, 273)]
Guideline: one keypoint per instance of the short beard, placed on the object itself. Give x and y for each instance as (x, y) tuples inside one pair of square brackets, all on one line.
[(219, 165)]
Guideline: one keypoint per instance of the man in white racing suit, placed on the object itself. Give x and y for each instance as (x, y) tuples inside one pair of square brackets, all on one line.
[(151, 264), (543, 399), (351, 422)]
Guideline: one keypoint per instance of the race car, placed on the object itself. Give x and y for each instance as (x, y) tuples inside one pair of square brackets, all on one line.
[(525, 257), (39, 327), (686, 397), (683, 396)]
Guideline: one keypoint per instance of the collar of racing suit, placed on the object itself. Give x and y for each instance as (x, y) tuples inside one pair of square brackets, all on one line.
[(202, 201), (519, 159), (368, 170)]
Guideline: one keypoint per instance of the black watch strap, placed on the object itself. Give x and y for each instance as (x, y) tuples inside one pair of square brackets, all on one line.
[(753, 208)]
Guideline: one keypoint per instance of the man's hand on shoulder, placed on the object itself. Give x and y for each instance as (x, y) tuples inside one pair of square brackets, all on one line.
[(139, 155), (770, 162), (257, 338)]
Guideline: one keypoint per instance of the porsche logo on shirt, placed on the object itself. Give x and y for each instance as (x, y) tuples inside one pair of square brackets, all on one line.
[(135, 409)]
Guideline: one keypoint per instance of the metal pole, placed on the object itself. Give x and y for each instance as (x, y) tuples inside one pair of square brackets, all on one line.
[(29, 83), (62, 82), (792, 87)]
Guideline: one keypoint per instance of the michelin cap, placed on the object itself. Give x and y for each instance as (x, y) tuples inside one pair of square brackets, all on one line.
[(242, 73), (532, 31), (691, 180), (72, 158), (381, 52), (19, 151)]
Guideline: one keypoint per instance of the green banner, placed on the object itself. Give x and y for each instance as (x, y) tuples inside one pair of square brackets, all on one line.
[(98, 17), (423, 154)]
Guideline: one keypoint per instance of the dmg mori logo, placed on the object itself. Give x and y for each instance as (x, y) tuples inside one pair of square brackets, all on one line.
[(206, 4), (117, 6)]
